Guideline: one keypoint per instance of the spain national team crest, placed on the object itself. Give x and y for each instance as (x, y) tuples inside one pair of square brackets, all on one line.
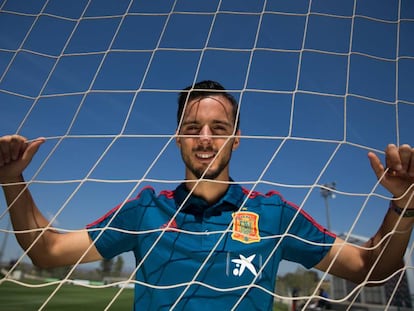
[(246, 227)]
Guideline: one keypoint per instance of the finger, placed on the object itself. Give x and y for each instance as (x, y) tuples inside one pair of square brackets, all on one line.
[(410, 168), (9, 148), (18, 144), (405, 157), (4, 152), (392, 158), (376, 165)]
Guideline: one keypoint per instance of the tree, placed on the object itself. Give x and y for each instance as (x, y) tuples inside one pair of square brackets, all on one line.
[(119, 264), (303, 280), (60, 272), (106, 267)]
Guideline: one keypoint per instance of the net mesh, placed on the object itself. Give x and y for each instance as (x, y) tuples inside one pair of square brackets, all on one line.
[(319, 84)]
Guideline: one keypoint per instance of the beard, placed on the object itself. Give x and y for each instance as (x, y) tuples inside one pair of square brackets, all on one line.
[(207, 171)]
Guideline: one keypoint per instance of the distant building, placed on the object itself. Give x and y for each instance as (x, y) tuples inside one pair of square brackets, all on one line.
[(401, 297)]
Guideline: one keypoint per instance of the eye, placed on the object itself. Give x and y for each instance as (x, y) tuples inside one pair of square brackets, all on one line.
[(220, 129), (191, 130)]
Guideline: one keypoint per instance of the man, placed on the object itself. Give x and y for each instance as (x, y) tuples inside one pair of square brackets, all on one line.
[(211, 243)]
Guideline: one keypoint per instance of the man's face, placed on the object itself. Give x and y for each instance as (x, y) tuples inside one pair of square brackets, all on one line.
[(206, 139)]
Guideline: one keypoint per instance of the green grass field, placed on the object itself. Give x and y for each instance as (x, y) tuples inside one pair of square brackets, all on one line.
[(15, 297)]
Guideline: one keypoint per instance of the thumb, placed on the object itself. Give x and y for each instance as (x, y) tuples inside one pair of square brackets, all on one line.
[(376, 165), (32, 148)]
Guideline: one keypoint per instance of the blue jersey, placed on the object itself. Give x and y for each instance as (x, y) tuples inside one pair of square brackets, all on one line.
[(195, 256)]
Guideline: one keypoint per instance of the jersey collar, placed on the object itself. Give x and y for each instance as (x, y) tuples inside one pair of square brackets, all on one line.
[(199, 207)]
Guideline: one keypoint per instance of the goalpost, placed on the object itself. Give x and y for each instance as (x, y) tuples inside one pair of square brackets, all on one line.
[(319, 84)]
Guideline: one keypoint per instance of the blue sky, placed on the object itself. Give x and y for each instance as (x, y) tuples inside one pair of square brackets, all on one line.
[(319, 85)]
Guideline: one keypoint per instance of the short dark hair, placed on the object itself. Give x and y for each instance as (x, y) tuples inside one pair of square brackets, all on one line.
[(204, 89)]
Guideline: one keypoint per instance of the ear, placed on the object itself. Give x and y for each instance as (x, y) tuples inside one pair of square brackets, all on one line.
[(177, 139), (236, 141)]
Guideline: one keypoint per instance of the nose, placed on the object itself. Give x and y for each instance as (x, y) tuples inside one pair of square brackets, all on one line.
[(205, 134)]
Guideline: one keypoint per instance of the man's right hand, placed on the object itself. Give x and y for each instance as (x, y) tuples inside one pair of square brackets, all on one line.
[(15, 155)]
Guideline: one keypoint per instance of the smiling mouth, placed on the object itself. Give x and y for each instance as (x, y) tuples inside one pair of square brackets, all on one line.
[(205, 156)]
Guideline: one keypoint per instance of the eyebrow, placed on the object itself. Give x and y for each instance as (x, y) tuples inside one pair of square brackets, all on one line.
[(213, 122)]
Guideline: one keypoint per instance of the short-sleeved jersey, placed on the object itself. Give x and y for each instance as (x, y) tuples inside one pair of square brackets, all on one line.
[(191, 255)]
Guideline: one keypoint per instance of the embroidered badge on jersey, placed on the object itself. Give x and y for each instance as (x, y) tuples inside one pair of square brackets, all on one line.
[(246, 227)]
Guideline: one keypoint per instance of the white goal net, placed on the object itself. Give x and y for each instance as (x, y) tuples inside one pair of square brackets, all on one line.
[(319, 84)]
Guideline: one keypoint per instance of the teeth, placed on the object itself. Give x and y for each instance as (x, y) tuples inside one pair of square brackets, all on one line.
[(205, 156)]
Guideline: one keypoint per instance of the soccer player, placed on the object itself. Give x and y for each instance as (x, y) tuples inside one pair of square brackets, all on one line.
[(210, 243)]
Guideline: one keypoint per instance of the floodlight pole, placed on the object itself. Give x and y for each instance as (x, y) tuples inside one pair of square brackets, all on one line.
[(327, 193), (4, 242)]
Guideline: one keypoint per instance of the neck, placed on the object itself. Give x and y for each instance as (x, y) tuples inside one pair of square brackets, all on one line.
[(211, 191)]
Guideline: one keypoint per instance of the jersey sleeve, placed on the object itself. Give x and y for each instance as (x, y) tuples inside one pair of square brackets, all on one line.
[(116, 231), (306, 242)]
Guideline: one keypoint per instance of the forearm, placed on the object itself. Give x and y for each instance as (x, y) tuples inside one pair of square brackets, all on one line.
[(46, 247), (388, 246), (25, 216), (384, 253)]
